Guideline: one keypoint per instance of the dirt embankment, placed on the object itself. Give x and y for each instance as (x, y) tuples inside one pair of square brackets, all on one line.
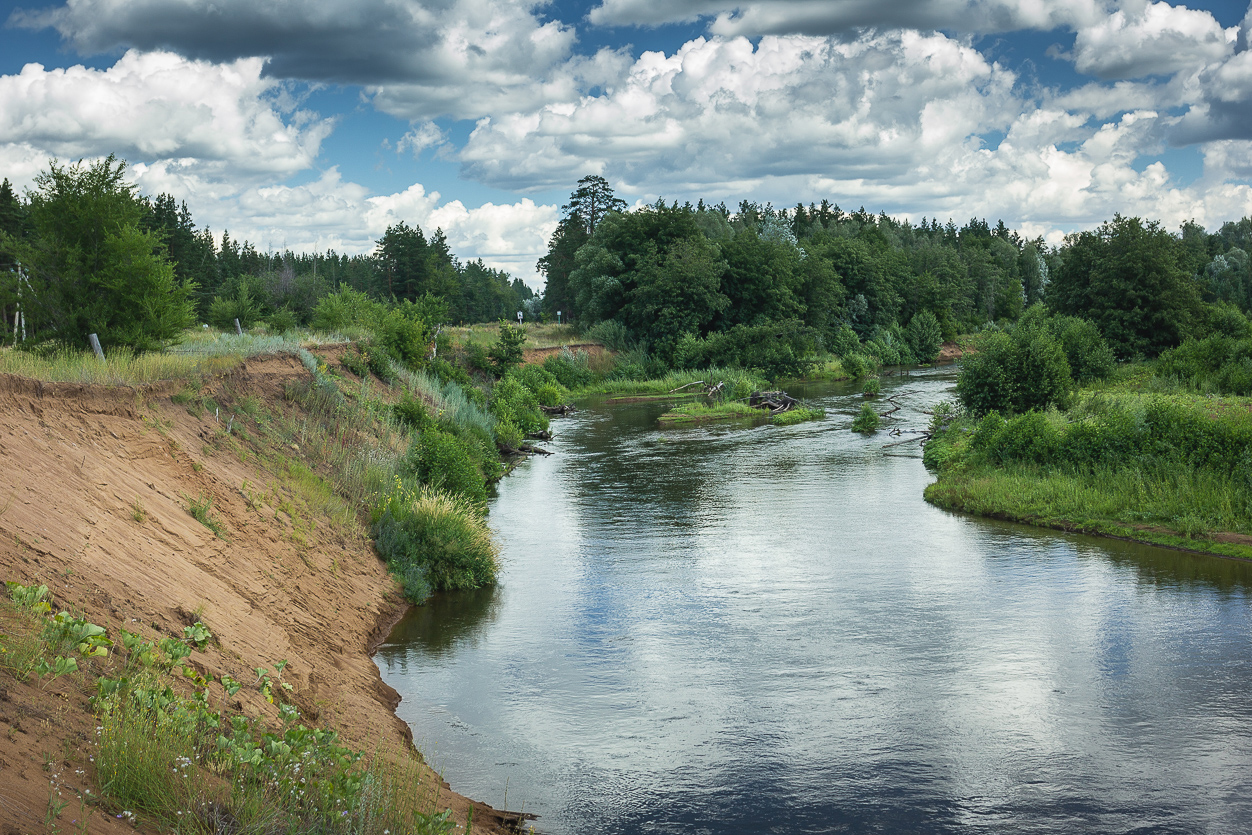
[(94, 491)]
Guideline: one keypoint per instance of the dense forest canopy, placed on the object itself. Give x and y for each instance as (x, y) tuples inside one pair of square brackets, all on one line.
[(668, 270), (686, 284)]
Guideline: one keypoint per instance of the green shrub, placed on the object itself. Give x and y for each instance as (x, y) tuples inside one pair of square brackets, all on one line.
[(799, 415), (435, 541), (223, 311), (546, 387), (507, 351), (345, 308), (444, 462), (867, 421), (571, 369), (283, 320), (872, 387), (843, 341), (857, 366), (411, 412), (612, 335), (404, 335), (514, 403), (355, 361)]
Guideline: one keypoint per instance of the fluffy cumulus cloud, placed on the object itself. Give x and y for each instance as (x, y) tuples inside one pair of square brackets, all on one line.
[(733, 17), (722, 111), (218, 118), (1155, 39), (459, 48)]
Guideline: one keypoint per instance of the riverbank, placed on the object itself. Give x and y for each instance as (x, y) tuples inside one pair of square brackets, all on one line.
[(1163, 469), (98, 492)]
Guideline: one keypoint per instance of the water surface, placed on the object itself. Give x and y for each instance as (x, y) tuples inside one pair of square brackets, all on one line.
[(766, 629)]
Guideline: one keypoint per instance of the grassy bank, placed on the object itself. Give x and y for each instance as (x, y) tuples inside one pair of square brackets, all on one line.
[(1170, 469), (172, 752)]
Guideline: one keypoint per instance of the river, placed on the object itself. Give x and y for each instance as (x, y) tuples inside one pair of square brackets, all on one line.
[(766, 629)]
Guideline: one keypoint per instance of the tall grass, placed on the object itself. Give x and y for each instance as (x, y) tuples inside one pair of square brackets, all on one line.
[(448, 402), (435, 541), (120, 368), (738, 383)]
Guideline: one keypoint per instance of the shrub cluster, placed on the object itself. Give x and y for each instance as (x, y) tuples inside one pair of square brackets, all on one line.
[(1107, 432), (1033, 366)]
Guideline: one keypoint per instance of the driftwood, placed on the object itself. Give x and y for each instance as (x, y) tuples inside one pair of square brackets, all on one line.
[(543, 435), (532, 449), (558, 411), (708, 390), (775, 402)]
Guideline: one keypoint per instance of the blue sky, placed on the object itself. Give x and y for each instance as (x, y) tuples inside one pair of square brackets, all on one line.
[(317, 124)]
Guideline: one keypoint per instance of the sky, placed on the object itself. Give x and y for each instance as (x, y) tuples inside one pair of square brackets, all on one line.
[(316, 124)]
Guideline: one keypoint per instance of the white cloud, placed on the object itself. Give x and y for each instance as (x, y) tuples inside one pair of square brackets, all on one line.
[(722, 110), (1156, 39), (424, 135), (430, 58), (813, 17), (159, 105)]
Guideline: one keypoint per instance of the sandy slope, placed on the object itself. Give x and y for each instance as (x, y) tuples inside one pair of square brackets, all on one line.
[(76, 463)]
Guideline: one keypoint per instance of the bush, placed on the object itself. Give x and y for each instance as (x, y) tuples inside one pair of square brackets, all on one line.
[(857, 366), (784, 348), (282, 321), (570, 369), (1015, 373), (411, 412), (435, 542), (1216, 364), (1089, 356), (844, 341), (867, 421), (546, 387), (345, 308), (872, 387), (355, 361), (404, 335), (223, 311), (612, 335), (507, 351), (444, 462), (513, 403)]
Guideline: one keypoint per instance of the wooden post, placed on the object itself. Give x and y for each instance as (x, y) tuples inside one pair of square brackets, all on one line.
[(238, 329), (95, 346)]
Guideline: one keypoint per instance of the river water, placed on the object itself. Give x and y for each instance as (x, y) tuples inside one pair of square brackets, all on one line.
[(766, 629)]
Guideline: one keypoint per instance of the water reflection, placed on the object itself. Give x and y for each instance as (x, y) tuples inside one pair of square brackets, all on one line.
[(445, 623), (767, 629)]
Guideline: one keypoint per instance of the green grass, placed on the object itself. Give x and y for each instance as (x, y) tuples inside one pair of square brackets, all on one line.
[(800, 415), (690, 414), (1127, 460), (201, 509), (1177, 507), (537, 335)]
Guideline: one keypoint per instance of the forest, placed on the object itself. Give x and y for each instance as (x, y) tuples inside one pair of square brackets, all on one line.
[(80, 224)]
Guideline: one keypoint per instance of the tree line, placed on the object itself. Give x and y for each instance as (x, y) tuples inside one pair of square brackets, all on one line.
[(816, 278), (82, 252)]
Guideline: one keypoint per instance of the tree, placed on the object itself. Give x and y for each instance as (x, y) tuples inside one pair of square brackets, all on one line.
[(411, 266), (591, 201), (90, 266), (1126, 276)]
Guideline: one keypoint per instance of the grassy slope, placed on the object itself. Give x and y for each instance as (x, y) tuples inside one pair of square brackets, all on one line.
[(1140, 499)]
